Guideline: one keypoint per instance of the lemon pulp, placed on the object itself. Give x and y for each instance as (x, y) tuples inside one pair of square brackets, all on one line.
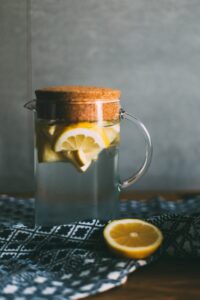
[(132, 238)]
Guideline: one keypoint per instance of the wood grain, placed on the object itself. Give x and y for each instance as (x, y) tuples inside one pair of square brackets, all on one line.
[(167, 279)]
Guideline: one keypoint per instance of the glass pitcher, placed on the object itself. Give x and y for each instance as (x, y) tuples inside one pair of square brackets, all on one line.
[(77, 135)]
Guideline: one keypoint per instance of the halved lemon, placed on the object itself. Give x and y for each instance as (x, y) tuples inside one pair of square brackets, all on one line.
[(132, 238), (82, 141)]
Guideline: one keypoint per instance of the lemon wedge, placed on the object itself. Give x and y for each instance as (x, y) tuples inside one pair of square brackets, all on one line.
[(47, 130), (51, 129), (132, 238), (46, 154), (78, 159), (82, 142), (112, 133), (44, 135)]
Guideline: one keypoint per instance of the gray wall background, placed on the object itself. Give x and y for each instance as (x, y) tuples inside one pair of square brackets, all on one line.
[(148, 49), (16, 169)]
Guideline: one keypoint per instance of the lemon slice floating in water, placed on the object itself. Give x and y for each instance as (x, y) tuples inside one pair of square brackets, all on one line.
[(82, 143)]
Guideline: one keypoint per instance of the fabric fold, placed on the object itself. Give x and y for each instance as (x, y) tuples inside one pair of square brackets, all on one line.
[(72, 260)]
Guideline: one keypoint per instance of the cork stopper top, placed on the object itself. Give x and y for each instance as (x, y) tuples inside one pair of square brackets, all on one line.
[(77, 93), (78, 103)]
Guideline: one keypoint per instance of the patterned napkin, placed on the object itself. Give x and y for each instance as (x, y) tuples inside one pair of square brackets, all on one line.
[(71, 261)]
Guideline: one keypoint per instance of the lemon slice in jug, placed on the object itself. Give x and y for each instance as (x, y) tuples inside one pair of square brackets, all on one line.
[(46, 154), (113, 133), (82, 143), (78, 159)]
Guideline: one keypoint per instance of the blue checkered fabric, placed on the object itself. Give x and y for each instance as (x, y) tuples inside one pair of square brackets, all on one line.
[(71, 261)]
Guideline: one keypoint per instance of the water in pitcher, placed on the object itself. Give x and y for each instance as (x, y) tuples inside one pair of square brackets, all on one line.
[(76, 171)]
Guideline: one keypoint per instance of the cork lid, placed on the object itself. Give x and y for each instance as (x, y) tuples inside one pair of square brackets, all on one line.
[(77, 93), (78, 103)]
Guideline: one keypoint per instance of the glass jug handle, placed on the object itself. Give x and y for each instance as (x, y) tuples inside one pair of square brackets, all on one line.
[(148, 153)]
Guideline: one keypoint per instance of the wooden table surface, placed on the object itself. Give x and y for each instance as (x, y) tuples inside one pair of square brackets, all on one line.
[(166, 279)]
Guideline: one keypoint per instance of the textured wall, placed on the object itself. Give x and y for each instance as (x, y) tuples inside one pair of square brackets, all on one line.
[(148, 49), (16, 168)]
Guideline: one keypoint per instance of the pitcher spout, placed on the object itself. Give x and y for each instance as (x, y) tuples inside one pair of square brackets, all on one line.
[(31, 105)]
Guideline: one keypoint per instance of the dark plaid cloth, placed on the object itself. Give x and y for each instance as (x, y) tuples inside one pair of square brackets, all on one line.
[(71, 261)]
